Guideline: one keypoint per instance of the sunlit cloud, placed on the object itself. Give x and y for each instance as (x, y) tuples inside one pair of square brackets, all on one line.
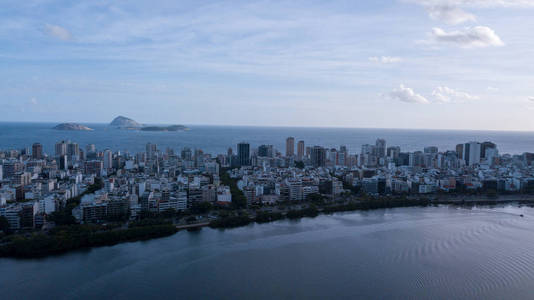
[(450, 14), (385, 59), (445, 94), (475, 3), (406, 94), (474, 37)]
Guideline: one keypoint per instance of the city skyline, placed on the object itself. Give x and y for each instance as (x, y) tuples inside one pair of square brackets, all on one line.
[(433, 64)]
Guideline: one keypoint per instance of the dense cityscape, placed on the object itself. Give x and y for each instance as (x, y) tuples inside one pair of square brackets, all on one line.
[(37, 188)]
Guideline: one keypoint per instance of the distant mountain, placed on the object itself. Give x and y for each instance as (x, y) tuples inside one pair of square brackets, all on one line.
[(165, 128), (124, 122), (72, 127)]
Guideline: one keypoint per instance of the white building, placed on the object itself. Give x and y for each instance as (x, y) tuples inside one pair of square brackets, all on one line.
[(472, 153), (108, 159)]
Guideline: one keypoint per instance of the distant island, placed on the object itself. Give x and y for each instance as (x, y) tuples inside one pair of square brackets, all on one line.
[(122, 122), (125, 123), (165, 128), (72, 127)]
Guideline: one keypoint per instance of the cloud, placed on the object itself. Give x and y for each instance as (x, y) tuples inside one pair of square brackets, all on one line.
[(476, 3), (58, 32), (406, 94), (493, 89), (473, 37), (531, 98), (385, 59), (450, 14), (445, 94)]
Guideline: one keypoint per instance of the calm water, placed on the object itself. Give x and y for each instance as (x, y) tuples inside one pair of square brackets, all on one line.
[(217, 139), (424, 253)]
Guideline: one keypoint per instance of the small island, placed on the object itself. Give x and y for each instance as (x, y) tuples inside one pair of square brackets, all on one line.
[(125, 123), (72, 127), (122, 122), (165, 128)]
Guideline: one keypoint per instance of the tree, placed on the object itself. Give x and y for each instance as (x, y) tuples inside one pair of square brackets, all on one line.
[(201, 207), (63, 217), (315, 198), (4, 224), (238, 198)]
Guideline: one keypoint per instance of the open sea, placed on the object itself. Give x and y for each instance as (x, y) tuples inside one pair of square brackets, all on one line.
[(217, 139)]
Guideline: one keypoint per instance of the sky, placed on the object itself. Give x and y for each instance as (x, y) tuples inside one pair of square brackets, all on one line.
[(433, 64)]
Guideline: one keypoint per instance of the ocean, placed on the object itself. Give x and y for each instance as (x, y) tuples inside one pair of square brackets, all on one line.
[(217, 139)]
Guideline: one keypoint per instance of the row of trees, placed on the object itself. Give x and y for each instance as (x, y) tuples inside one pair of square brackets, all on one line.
[(238, 198), (67, 238), (311, 211)]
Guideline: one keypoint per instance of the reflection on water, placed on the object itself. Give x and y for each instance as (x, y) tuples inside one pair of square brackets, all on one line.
[(436, 252)]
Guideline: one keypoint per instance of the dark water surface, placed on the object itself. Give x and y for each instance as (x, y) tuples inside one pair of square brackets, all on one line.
[(217, 139), (424, 253)]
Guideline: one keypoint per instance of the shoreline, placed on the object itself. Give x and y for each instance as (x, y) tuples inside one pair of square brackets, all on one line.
[(40, 245)]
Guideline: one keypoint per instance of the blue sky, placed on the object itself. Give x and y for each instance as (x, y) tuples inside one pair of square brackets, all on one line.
[(448, 64)]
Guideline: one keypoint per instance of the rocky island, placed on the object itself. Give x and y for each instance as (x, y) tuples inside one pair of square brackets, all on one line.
[(125, 123), (165, 128), (122, 122), (72, 127)]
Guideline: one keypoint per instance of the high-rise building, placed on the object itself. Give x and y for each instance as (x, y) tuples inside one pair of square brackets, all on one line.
[(243, 154), (460, 151), (108, 159), (73, 149), (369, 149), (318, 156), (61, 148), (93, 167), (187, 154), (91, 148), (380, 148), (37, 151), (290, 146), (431, 150), (25, 151), (199, 158), (393, 152), (265, 151), (471, 153), (484, 146), (300, 150), (63, 162), (151, 151)]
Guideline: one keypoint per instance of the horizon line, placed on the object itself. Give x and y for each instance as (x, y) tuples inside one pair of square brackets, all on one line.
[(278, 126)]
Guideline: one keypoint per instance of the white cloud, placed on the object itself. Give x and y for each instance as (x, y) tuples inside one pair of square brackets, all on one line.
[(476, 3), (531, 98), (450, 14), (406, 94), (445, 94), (478, 36), (58, 32), (385, 59)]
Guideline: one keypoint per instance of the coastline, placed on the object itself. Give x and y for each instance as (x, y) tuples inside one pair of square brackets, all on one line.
[(78, 237)]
